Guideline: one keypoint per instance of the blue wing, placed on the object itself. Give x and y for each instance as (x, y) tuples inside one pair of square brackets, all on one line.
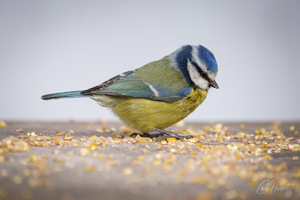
[(157, 81)]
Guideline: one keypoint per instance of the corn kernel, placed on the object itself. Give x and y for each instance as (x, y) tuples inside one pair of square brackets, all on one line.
[(206, 128), (163, 142), (89, 168), (60, 160), (264, 143), (258, 131), (84, 152), (159, 147), (145, 150), (171, 139), (140, 158), (127, 171), (2, 151), (33, 158), (101, 155), (2, 159), (93, 147), (2, 124), (17, 179), (172, 150), (157, 162)]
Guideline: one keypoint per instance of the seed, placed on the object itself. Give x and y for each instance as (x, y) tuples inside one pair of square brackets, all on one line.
[(117, 136), (206, 128), (163, 142), (33, 158), (133, 148), (258, 131), (19, 130), (89, 168), (172, 150), (171, 139), (17, 179), (2, 159), (242, 126), (2, 124), (93, 147), (127, 171), (264, 143), (157, 162), (145, 150), (59, 160), (159, 148), (84, 152)]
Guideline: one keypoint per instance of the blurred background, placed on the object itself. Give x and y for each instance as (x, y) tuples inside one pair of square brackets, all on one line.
[(57, 46)]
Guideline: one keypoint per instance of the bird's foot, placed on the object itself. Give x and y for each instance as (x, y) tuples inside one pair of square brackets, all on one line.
[(145, 135), (161, 135), (173, 135)]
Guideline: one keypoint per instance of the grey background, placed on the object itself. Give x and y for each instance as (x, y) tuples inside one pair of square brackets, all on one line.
[(56, 46)]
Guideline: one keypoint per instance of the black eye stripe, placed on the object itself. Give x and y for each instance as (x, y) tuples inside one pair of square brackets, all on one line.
[(201, 72)]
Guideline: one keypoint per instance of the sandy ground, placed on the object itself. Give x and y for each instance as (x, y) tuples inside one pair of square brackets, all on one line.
[(141, 171)]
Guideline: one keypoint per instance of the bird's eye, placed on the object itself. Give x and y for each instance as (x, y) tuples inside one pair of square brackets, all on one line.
[(204, 75)]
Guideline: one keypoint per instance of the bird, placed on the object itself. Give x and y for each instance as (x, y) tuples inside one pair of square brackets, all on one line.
[(159, 94)]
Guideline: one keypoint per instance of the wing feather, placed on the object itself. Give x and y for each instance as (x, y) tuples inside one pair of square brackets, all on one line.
[(156, 81)]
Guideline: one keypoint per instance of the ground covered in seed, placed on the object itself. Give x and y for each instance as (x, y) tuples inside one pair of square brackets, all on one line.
[(98, 160)]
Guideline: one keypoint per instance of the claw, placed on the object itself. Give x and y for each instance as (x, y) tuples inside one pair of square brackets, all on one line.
[(160, 136), (174, 135)]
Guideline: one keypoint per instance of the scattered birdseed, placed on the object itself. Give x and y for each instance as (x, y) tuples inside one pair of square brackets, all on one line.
[(247, 158)]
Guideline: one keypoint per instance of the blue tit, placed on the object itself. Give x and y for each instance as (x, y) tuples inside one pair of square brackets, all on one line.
[(159, 94)]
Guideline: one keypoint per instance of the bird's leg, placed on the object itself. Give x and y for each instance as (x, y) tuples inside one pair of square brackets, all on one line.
[(174, 135), (160, 136), (157, 135)]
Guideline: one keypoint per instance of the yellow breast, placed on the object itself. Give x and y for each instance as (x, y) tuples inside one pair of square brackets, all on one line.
[(146, 115)]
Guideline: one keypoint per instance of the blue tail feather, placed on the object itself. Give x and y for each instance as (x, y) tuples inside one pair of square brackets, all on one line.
[(72, 94)]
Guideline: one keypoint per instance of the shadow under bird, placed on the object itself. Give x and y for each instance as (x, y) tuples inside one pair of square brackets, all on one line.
[(159, 94)]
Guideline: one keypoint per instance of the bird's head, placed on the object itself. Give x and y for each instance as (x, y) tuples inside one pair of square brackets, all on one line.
[(198, 65)]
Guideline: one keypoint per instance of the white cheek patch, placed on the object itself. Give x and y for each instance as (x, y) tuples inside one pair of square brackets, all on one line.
[(196, 78)]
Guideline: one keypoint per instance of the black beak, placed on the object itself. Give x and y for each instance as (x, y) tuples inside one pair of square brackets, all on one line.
[(214, 84)]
